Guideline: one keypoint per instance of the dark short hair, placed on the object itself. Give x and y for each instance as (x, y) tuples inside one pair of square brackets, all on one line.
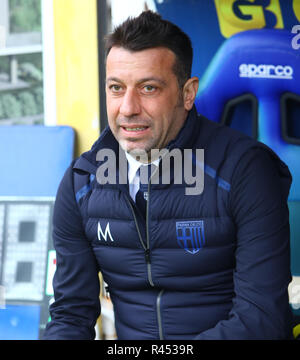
[(149, 30)]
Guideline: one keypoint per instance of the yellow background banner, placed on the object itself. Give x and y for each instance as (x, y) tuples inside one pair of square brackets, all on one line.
[(76, 61)]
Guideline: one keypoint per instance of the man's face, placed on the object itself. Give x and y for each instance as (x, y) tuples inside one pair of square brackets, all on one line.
[(145, 106)]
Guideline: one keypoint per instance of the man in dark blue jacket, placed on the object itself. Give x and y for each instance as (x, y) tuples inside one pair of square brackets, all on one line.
[(209, 265)]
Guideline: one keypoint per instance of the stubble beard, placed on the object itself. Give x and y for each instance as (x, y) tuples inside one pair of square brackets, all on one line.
[(139, 153)]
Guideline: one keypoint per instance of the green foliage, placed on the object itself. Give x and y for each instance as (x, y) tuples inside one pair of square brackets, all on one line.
[(28, 71), (28, 104), (34, 59), (1, 110), (39, 99), (4, 64), (11, 106), (25, 15)]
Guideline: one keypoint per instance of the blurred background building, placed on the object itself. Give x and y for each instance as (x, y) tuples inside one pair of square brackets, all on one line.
[(21, 63)]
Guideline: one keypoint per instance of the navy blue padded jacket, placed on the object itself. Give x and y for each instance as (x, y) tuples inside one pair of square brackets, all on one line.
[(208, 266)]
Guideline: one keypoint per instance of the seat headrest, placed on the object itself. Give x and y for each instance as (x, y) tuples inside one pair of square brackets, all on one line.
[(261, 62)]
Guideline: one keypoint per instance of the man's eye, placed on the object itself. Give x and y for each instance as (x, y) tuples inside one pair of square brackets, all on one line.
[(115, 88), (149, 88)]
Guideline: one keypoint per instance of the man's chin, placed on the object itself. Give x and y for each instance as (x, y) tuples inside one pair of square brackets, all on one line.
[(140, 153)]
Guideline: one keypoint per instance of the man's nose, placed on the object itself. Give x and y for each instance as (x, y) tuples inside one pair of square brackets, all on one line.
[(130, 103)]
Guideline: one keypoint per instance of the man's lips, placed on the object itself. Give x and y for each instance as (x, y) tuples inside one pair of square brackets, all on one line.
[(134, 128)]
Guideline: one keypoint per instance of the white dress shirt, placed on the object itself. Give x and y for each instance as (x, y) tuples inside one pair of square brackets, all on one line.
[(133, 174)]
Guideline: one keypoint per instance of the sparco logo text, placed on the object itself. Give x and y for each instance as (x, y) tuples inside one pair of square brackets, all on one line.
[(266, 71)]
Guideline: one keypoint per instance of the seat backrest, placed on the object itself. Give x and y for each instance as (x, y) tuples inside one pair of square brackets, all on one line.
[(260, 65), (34, 158), (258, 72)]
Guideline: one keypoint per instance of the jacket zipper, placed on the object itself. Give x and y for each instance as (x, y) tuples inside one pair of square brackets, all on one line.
[(158, 299), (158, 310), (146, 248), (148, 258), (148, 262)]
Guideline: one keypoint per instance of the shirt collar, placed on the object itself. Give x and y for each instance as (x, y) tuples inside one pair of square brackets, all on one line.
[(134, 165)]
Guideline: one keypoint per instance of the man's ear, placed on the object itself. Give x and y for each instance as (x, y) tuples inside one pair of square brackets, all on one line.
[(189, 92)]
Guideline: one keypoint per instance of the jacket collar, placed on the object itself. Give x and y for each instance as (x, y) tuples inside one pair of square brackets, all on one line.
[(189, 132)]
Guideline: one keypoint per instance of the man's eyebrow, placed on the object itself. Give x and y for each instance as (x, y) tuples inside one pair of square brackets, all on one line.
[(141, 81), (112, 78), (155, 79)]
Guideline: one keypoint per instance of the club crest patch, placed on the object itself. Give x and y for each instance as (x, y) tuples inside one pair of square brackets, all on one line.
[(190, 235)]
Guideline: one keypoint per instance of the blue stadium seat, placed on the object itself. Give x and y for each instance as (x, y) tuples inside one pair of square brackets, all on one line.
[(33, 160), (253, 84)]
